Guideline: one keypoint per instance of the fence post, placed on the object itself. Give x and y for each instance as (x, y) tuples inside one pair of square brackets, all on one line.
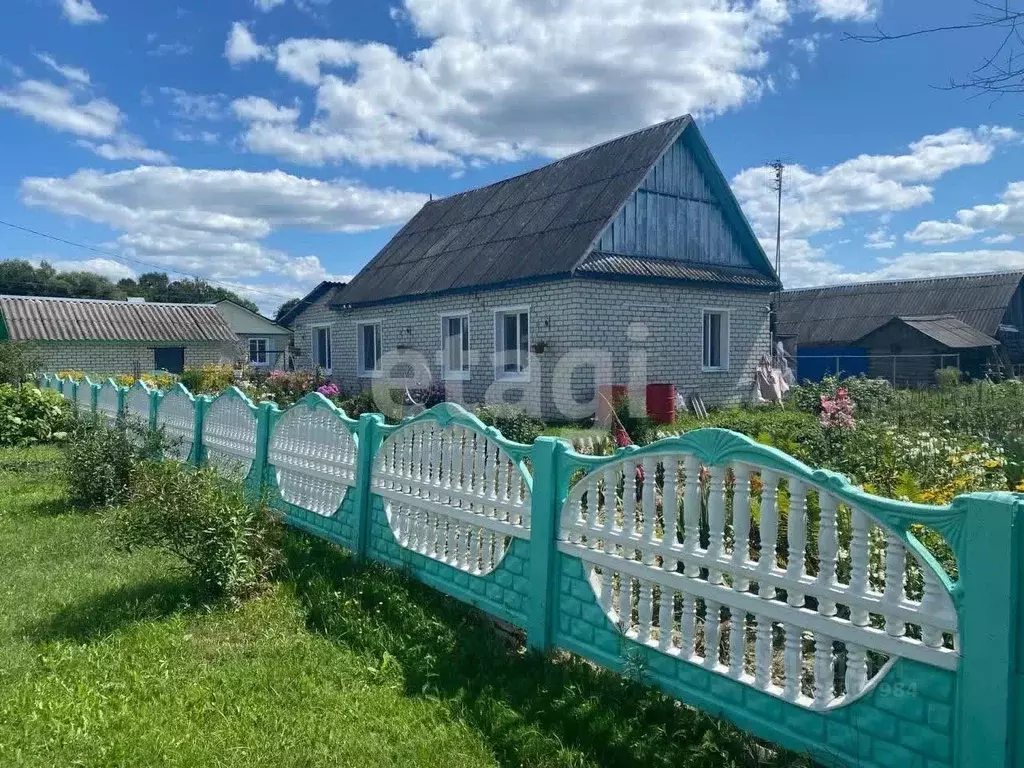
[(367, 437), (260, 461), (549, 492), (987, 558), (197, 435)]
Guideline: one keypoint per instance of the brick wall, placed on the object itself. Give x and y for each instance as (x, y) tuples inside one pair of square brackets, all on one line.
[(108, 358), (590, 328)]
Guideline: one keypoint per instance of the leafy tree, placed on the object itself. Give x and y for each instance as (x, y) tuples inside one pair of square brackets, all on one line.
[(285, 308), (20, 278)]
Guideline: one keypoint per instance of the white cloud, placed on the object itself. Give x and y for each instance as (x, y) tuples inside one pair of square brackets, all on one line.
[(936, 263), (204, 137), (844, 10), (126, 147), (821, 201), (175, 48), (939, 232), (880, 239), (113, 270), (213, 222), (81, 12), (258, 109), (196, 106), (1006, 218), (267, 5), (60, 109), (96, 121), (508, 78), (998, 239), (242, 47), (71, 74)]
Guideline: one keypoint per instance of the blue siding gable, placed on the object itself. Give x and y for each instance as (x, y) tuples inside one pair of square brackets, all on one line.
[(675, 214)]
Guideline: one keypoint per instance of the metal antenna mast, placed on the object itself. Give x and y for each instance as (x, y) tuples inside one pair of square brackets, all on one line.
[(779, 168)]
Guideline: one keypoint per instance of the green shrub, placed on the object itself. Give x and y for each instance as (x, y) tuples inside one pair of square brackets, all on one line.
[(210, 379), (947, 378), (29, 415), (99, 463), (18, 361), (512, 421), (870, 396), (230, 546)]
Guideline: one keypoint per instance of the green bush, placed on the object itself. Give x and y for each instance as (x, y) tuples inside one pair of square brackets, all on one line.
[(230, 546), (99, 463), (872, 397), (29, 415), (18, 361), (947, 378), (512, 421)]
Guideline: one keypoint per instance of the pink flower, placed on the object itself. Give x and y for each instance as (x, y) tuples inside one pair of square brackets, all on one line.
[(330, 389)]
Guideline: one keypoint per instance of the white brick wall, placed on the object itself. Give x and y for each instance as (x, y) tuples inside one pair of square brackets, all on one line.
[(603, 321), (123, 357)]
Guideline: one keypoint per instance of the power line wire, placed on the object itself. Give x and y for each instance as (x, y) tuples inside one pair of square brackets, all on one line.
[(118, 257)]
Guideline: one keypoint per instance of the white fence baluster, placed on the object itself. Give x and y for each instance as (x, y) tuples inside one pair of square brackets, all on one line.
[(737, 642), (895, 569), (769, 531), (796, 528), (716, 521), (741, 523), (859, 564), (666, 609), (688, 627), (644, 611), (856, 669), (691, 514), (792, 661), (824, 671), (828, 547), (763, 653), (712, 636)]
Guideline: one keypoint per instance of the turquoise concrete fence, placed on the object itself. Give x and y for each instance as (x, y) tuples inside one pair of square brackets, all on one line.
[(847, 639)]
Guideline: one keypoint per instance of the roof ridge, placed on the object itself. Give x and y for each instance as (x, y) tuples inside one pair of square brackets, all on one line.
[(905, 281), (685, 116), (112, 301)]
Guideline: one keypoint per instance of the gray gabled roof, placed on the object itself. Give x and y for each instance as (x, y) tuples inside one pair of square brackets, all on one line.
[(35, 318), (842, 314), (946, 330), (308, 300), (538, 225)]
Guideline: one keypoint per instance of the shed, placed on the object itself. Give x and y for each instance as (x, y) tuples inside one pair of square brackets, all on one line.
[(264, 342), (936, 341), (114, 337)]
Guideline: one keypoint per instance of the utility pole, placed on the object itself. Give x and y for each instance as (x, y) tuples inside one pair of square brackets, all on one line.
[(779, 168)]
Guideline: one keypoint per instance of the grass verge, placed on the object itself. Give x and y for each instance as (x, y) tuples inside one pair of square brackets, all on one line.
[(115, 659)]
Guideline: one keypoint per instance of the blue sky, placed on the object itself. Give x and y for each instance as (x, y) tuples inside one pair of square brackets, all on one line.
[(269, 144)]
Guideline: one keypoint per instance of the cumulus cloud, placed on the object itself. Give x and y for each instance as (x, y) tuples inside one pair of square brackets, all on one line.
[(844, 10), (195, 106), (71, 74), (213, 222), (267, 5), (880, 239), (242, 47), (500, 80), (113, 270), (96, 121), (1005, 217), (821, 201), (258, 109), (81, 12)]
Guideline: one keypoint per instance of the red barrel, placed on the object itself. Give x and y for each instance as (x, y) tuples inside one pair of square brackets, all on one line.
[(607, 394), (661, 403)]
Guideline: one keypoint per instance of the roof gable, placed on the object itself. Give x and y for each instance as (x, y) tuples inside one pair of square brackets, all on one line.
[(244, 320), (308, 301), (34, 318), (535, 226), (843, 314), (943, 329)]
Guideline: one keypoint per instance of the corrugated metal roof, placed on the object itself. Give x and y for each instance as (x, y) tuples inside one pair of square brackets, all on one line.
[(599, 263), (842, 314), (533, 226), (35, 318), (948, 331)]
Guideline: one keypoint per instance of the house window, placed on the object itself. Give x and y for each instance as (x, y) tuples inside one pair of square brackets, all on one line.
[(257, 351), (455, 346), (716, 340), (369, 349), (512, 344), (322, 347)]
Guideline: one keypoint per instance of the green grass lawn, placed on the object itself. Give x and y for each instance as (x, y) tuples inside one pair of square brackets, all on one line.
[(110, 659)]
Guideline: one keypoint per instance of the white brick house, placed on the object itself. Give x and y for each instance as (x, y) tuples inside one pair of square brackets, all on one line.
[(113, 337), (628, 263)]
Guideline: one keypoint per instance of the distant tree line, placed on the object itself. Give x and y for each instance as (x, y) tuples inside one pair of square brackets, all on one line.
[(21, 278)]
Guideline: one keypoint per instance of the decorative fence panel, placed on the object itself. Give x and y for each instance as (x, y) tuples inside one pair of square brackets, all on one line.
[(721, 571), (138, 403), (109, 400), (176, 416)]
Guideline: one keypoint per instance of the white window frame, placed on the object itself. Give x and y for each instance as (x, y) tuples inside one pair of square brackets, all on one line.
[(500, 374), (266, 351), (465, 347), (369, 373), (724, 340), (314, 329)]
